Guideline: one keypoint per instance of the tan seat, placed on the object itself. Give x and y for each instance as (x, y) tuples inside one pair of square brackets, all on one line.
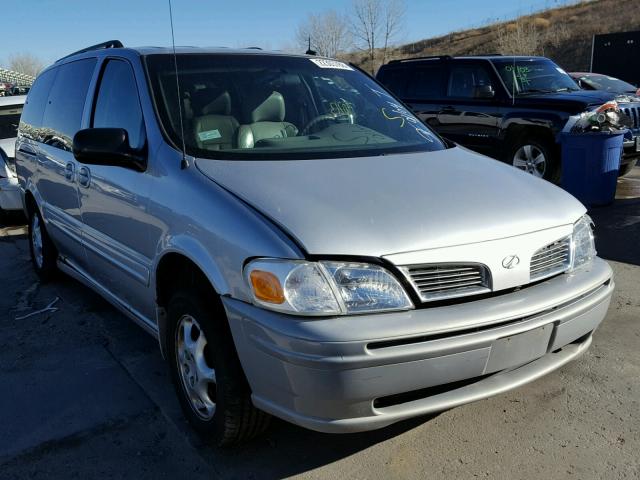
[(213, 125), (267, 122)]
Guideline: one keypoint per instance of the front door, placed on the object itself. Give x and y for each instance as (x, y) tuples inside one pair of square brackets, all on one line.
[(471, 112), (117, 234)]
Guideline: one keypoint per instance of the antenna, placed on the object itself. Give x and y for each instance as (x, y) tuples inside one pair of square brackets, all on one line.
[(184, 164), (309, 51)]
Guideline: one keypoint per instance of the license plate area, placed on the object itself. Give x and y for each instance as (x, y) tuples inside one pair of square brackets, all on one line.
[(515, 350)]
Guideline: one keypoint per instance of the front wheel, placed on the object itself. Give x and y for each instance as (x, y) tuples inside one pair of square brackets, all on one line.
[(535, 157), (206, 372)]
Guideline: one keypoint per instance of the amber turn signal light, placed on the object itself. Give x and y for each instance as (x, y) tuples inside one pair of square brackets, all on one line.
[(266, 287)]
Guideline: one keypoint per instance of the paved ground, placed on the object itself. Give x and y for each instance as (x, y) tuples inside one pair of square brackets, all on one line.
[(85, 394)]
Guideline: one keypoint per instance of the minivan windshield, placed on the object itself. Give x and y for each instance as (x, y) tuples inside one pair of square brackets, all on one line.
[(525, 76), (259, 106)]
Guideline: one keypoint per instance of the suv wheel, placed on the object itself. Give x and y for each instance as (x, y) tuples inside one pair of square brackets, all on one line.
[(207, 375), (535, 157), (43, 252)]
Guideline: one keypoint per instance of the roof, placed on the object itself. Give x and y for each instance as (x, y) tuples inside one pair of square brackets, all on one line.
[(12, 100), (465, 57)]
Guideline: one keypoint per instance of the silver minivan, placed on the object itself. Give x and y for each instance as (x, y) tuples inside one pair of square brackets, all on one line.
[(298, 242)]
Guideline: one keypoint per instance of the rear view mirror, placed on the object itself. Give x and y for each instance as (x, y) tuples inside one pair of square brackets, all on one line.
[(483, 91), (107, 146)]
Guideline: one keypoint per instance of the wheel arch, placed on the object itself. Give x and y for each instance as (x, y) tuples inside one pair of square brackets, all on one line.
[(175, 268)]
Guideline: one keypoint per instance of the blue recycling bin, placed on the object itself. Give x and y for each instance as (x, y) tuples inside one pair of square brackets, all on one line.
[(590, 164)]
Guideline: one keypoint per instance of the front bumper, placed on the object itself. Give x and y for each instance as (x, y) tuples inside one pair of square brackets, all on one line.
[(356, 373), (10, 196)]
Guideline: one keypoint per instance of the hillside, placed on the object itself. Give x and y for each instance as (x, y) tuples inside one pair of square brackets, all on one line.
[(563, 34)]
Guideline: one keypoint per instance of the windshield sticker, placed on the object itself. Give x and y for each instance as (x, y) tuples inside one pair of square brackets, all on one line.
[(521, 73), (209, 135), (324, 63), (341, 107)]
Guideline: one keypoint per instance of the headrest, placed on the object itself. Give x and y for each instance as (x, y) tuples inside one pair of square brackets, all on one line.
[(211, 102), (271, 110)]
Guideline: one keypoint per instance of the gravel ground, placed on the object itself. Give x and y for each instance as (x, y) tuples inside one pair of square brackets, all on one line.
[(85, 394)]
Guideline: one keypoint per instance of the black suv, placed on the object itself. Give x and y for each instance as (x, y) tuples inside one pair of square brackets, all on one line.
[(510, 108)]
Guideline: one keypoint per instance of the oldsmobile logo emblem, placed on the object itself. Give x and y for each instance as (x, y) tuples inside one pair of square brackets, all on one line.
[(510, 262)]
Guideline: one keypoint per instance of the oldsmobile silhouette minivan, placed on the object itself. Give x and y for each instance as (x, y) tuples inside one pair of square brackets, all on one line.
[(299, 243)]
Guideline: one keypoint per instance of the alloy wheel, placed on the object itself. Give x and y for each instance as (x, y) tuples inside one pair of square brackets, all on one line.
[(531, 159), (196, 373)]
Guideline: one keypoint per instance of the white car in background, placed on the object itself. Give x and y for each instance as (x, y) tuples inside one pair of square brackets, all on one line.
[(10, 111)]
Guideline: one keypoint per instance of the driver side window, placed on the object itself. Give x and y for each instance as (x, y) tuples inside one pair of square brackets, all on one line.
[(464, 81), (117, 104)]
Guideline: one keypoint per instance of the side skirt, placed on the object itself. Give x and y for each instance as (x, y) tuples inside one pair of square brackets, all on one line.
[(73, 271)]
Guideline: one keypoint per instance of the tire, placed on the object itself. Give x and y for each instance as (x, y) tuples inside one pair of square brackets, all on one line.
[(43, 252), (526, 152), (626, 169), (206, 372)]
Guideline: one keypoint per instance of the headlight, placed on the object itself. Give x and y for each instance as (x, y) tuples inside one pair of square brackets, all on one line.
[(324, 288), (582, 244)]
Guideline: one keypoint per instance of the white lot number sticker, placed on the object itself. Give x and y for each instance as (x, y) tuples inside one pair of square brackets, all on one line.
[(209, 135), (324, 63)]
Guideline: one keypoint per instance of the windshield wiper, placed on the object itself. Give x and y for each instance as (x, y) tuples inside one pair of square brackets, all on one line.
[(536, 90)]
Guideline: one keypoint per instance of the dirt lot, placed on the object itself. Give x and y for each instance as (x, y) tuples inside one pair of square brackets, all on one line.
[(85, 394)]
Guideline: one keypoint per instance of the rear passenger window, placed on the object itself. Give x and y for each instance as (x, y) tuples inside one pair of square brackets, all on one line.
[(426, 82), (63, 114), (118, 105), (31, 118), (464, 79)]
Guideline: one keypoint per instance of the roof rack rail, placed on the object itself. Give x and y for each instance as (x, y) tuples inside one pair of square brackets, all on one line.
[(252, 48), (430, 57), (98, 46)]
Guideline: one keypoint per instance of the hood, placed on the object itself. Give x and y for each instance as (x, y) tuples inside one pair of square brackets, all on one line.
[(375, 206), (570, 101), (8, 146)]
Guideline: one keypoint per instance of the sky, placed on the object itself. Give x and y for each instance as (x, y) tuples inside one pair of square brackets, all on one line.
[(51, 29)]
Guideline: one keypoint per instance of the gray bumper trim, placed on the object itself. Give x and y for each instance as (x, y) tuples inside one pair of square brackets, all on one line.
[(493, 385)]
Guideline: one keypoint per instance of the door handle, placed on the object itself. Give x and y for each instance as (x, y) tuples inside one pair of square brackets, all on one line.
[(69, 171), (84, 177)]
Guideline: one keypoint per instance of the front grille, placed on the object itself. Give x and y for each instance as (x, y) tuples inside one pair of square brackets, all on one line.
[(633, 112), (551, 259), (443, 281)]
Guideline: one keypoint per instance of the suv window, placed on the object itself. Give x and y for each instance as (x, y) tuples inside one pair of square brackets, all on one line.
[(463, 80), (118, 105), (33, 110), (524, 76), (425, 81), (63, 114)]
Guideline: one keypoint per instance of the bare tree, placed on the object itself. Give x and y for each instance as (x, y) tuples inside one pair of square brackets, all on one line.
[(519, 38), (375, 25), (328, 33), (366, 27), (25, 63), (394, 14)]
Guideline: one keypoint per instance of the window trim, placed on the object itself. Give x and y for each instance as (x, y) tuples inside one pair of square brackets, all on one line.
[(96, 94)]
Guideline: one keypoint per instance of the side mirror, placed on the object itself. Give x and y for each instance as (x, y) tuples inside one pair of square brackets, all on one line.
[(107, 146), (483, 91)]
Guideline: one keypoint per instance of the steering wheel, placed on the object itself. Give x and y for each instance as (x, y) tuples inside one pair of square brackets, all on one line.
[(323, 118)]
